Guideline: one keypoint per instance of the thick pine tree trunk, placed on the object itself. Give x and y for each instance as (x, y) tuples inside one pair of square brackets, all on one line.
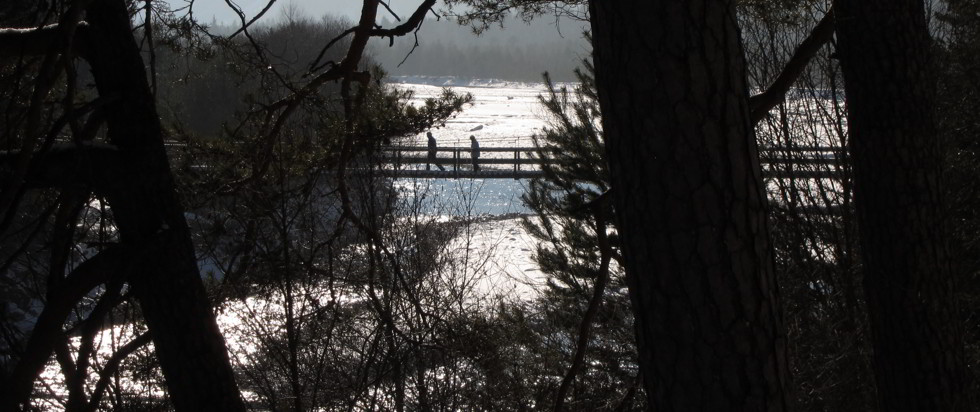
[(884, 48), (167, 284), (689, 198)]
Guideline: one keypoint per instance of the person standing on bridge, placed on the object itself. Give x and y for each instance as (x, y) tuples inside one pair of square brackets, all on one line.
[(432, 153), (475, 152)]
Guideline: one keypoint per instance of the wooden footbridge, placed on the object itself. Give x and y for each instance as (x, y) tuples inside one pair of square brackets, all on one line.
[(457, 163), (520, 163)]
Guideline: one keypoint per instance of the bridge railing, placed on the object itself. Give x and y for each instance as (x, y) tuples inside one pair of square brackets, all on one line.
[(800, 162), (460, 155), (778, 162)]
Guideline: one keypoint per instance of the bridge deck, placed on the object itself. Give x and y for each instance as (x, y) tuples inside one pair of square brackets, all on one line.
[(520, 162), (435, 173), (813, 162)]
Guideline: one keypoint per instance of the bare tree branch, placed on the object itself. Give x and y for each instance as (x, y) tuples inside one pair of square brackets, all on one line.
[(413, 23), (760, 104), (76, 285), (112, 365), (409, 25), (393, 14), (241, 15), (51, 68)]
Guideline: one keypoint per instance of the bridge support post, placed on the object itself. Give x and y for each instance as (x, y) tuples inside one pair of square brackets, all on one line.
[(517, 163)]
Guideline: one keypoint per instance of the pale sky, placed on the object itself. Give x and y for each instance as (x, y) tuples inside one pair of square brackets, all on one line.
[(542, 29), (204, 10), (541, 33)]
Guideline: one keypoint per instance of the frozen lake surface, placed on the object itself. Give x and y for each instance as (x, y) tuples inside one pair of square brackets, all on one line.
[(502, 114)]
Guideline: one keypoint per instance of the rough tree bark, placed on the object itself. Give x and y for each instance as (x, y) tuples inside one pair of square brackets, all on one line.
[(167, 284), (885, 53), (689, 197)]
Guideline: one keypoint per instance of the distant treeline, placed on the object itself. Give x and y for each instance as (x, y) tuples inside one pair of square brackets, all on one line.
[(208, 82), (217, 80), (517, 53)]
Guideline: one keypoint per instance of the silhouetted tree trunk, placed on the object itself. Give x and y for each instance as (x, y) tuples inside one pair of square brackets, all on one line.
[(166, 282), (885, 53), (688, 194)]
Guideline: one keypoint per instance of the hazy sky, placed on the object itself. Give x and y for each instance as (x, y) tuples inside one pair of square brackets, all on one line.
[(542, 29), (204, 10), (434, 36)]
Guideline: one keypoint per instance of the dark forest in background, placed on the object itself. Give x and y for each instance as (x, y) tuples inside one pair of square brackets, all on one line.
[(518, 52)]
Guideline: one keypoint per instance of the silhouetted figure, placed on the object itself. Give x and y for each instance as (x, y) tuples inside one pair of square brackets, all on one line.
[(432, 153), (475, 152)]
